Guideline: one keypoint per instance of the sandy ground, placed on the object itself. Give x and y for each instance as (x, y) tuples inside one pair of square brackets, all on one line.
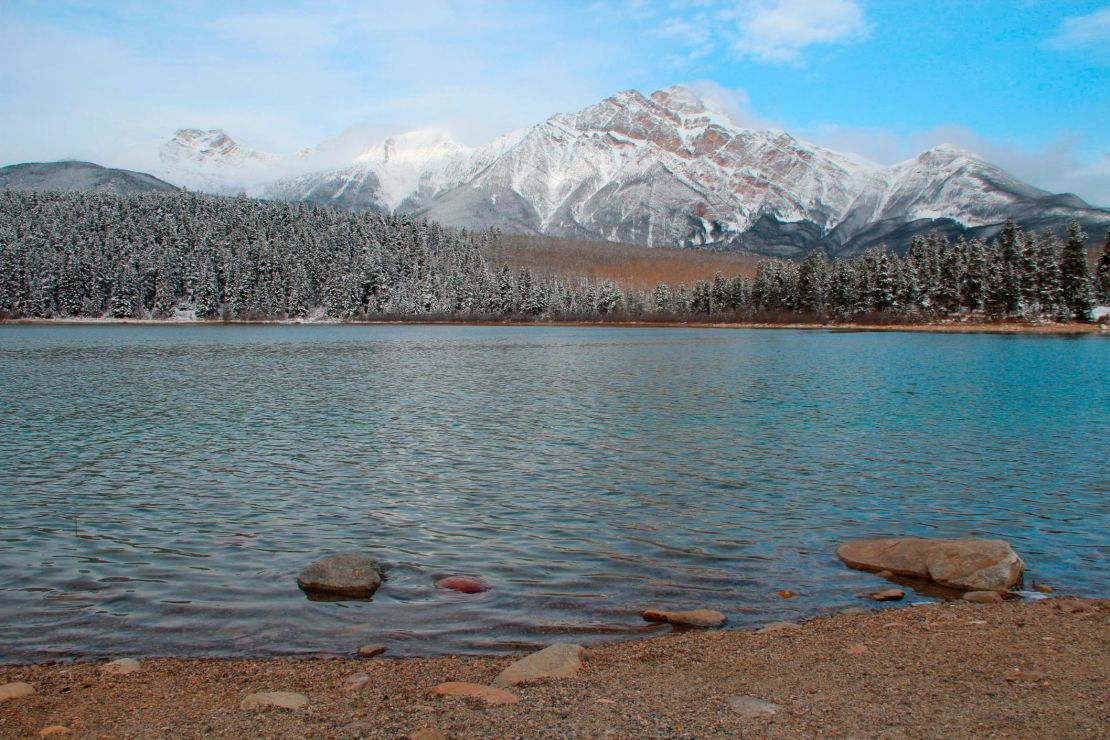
[(944, 670), (948, 328)]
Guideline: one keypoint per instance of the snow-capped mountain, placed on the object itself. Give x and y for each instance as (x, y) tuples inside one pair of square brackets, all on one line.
[(667, 169), (212, 161)]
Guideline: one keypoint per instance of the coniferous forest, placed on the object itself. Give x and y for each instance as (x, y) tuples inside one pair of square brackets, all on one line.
[(166, 255)]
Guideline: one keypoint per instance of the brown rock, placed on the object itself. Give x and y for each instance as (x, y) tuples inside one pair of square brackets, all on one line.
[(427, 733), (121, 667), (1043, 588), (54, 730), (346, 574), (785, 594), (856, 650), (692, 618), (887, 594), (463, 584), (983, 597), (778, 627), (279, 699), (561, 660), (16, 690), (751, 707), (1025, 676), (369, 651), (356, 681), (487, 694), (969, 564), (885, 574)]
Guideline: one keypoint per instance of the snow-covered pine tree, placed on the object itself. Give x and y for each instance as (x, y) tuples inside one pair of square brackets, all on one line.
[(1075, 275)]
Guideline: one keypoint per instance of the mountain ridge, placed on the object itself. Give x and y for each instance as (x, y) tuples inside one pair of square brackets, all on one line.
[(672, 168)]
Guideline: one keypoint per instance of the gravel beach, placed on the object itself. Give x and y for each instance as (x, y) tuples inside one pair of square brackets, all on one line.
[(1016, 669)]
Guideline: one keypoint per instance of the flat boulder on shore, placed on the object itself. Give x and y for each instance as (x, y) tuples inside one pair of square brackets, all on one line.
[(968, 564), (350, 574), (561, 660)]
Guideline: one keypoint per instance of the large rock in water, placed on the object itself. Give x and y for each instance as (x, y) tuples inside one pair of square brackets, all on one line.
[(969, 565), (346, 574)]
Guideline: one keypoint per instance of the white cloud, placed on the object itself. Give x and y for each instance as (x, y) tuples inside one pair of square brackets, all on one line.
[(776, 31), (1090, 31)]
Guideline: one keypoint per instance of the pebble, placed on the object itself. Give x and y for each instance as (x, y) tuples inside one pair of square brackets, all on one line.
[(427, 733), (121, 667), (16, 690), (778, 627), (487, 694), (983, 597), (561, 660), (280, 699), (690, 618), (856, 650), (885, 574), (54, 730), (356, 681), (786, 594), (1043, 588), (751, 707), (369, 651), (1026, 676)]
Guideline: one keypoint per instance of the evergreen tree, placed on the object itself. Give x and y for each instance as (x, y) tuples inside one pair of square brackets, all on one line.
[(1102, 272), (1075, 276)]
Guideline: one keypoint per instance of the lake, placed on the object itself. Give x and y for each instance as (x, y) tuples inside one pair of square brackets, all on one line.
[(162, 486)]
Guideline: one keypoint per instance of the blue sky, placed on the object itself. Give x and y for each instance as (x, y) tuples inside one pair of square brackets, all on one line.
[(1025, 83)]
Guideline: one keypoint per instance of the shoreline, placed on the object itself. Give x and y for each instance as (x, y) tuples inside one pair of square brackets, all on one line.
[(932, 328), (1017, 668)]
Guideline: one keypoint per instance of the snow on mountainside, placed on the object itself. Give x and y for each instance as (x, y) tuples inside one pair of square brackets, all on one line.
[(667, 169), (212, 161)]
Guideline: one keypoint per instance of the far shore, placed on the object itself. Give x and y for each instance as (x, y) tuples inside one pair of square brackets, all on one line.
[(1001, 327), (1015, 669)]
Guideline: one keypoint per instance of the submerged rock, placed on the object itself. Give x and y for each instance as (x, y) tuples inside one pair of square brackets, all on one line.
[(349, 574), (968, 565), (561, 660), (690, 618), (369, 651), (280, 699), (887, 594), (488, 694), (463, 584)]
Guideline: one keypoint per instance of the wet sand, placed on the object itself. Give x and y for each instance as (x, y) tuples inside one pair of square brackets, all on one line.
[(1016, 669)]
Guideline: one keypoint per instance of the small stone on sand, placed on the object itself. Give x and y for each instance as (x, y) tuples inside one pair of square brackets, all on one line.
[(15, 690), (983, 597), (778, 627), (356, 681), (487, 694), (121, 667), (280, 699), (751, 707), (54, 730), (856, 650)]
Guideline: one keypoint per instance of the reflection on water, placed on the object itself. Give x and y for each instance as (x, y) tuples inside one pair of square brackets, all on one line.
[(160, 487)]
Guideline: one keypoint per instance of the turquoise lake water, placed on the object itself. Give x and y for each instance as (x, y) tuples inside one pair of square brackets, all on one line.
[(161, 486)]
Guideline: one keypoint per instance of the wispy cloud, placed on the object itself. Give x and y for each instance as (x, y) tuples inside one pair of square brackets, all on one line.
[(778, 31), (1083, 32)]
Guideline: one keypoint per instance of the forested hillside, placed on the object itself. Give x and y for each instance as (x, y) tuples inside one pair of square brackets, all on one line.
[(180, 254)]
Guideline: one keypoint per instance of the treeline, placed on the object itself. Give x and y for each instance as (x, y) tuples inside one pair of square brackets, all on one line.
[(183, 254)]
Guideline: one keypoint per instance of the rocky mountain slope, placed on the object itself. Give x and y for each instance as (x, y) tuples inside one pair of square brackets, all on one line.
[(78, 176), (669, 169)]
